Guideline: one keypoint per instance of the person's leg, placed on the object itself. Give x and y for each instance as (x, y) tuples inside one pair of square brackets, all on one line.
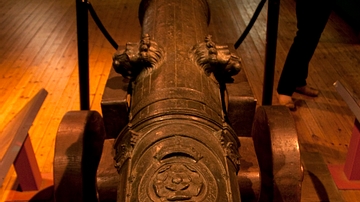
[(312, 16)]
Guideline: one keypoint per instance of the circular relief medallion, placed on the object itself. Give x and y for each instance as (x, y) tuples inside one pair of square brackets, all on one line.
[(178, 181)]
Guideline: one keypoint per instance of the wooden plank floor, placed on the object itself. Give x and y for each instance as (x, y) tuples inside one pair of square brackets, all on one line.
[(38, 50)]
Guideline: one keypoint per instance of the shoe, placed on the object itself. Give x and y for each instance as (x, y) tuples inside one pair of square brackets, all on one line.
[(286, 101), (306, 90)]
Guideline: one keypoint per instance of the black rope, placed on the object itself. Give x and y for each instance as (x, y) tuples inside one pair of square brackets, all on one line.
[(250, 25), (101, 26)]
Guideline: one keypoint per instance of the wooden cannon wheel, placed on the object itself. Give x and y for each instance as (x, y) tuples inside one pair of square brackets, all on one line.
[(78, 148), (276, 145)]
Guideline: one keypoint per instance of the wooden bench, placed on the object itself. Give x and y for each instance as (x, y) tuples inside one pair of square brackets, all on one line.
[(16, 147), (347, 176)]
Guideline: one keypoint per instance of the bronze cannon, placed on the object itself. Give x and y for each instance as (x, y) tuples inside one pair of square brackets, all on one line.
[(184, 126)]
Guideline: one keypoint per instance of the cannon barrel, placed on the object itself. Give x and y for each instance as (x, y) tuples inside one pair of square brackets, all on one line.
[(177, 145)]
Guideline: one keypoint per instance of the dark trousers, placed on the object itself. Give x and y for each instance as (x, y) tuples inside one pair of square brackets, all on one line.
[(312, 16)]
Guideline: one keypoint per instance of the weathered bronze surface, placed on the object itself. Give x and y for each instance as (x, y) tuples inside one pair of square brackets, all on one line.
[(177, 145), (174, 109)]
